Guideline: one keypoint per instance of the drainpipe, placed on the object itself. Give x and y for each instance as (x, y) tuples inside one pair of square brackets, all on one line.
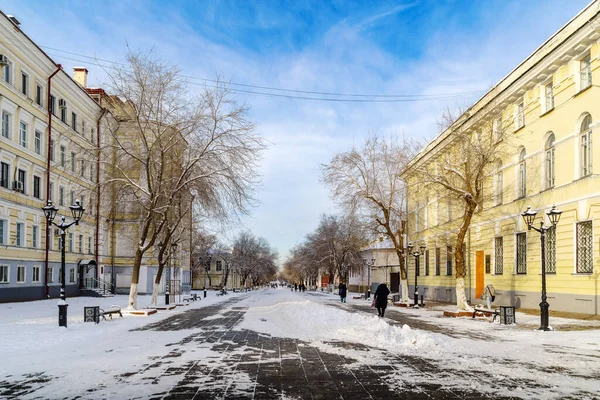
[(58, 68), (98, 192)]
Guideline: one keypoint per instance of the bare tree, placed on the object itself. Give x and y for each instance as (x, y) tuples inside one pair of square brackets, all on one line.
[(171, 141), (462, 172), (253, 258), (367, 181), (202, 246)]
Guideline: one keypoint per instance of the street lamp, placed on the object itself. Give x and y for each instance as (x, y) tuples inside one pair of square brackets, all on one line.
[(168, 277), (369, 266), (416, 254), (50, 212), (554, 216)]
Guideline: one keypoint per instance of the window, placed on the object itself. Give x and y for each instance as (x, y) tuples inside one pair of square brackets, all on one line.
[(3, 273), (21, 180), (549, 161), (50, 274), (53, 105), (7, 72), (62, 104), (521, 239), (92, 172), (70, 242), (63, 156), (4, 175), (83, 127), (35, 276), (35, 236), (208, 266), (497, 129), (522, 183), (38, 94), (499, 183), (83, 168), (426, 262), (519, 115), (585, 72), (81, 243), (72, 197), (72, 275), (89, 245), (23, 134), (3, 231), (6, 124), (51, 191), (20, 239), (549, 97), (38, 142), (61, 196), (24, 83), (488, 264), (20, 274), (74, 121), (585, 251), (36, 187), (437, 260), (73, 161), (92, 135), (586, 145), (219, 266), (448, 260), (550, 246), (52, 150)]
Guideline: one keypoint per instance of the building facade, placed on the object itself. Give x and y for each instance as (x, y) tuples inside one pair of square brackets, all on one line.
[(47, 151), (547, 110)]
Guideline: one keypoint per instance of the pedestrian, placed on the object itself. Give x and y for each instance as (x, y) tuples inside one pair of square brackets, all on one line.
[(303, 287), (295, 287), (381, 298), (490, 295), (343, 290)]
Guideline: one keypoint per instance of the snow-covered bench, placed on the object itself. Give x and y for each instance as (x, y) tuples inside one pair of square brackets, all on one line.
[(487, 311), (112, 310)]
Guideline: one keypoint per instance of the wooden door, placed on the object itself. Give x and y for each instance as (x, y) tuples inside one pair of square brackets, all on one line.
[(395, 282), (479, 273)]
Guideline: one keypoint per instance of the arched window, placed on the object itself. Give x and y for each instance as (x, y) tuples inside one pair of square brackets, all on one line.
[(499, 183), (549, 160), (585, 135), (522, 188)]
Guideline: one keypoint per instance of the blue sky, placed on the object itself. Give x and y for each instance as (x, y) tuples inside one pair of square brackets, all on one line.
[(363, 47)]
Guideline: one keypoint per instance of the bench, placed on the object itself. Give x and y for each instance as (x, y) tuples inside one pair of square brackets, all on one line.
[(495, 313), (190, 297), (221, 292), (112, 310)]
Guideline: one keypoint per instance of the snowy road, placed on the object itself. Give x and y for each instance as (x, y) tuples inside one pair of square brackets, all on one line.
[(273, 344)]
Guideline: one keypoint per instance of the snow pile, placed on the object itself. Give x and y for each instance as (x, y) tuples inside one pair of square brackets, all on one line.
[(310, 321)]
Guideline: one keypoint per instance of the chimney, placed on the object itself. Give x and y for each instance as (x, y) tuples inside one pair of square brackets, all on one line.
[(80, 75), (14, 20)]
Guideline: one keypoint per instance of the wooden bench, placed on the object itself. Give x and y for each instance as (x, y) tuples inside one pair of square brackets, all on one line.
[(495, 313), (112, 310)]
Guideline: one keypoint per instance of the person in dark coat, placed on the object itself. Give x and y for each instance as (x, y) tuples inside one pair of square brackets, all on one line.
[(381, 298), (343, 291)]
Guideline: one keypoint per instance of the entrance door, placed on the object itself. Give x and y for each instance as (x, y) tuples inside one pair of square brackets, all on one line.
[(395, 282), (479, 273)]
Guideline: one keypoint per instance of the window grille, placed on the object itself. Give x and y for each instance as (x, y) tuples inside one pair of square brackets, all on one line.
[(499, 256), (585, 253), (551, 250), (521, 253), (437, 260)]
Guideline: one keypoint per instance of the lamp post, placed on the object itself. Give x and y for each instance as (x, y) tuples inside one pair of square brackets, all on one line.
[(416, 254), (369, 266), (554, 216), (50, 212)]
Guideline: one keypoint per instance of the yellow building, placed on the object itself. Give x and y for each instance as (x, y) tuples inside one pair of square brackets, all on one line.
[(549, 110), (213, 273), (39, 163)]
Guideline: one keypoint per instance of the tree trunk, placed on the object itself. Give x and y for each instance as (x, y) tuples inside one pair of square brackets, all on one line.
[(156, 285), (135, 277), (405, 298), (459, 257), (403, 274), (225, 276)]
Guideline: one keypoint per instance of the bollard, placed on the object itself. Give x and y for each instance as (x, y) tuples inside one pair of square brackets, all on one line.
[(422, 300), (368, 294), (204, 293)]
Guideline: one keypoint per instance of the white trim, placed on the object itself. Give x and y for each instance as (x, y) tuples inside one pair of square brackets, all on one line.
[(7, 273), (24, 274)]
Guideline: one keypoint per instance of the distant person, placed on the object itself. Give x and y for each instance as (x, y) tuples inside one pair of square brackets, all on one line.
[(490, 295), (295, 287), (343, 291), (381, 298), (303, 287)]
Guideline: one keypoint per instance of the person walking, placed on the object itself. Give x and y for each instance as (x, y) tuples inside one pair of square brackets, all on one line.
[(490, 295), (295, 287), (381, 298), (343, 291)]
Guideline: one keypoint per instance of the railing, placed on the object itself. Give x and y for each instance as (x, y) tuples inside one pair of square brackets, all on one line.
[(99, 285)]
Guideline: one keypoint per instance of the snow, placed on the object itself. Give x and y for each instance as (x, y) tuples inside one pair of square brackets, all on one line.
[(550, 365)]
